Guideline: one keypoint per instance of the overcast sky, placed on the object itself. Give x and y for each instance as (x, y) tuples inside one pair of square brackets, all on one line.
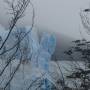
[(61, 16)]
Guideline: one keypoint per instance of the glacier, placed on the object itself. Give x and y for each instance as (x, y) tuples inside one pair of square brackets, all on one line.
[(41, 51)]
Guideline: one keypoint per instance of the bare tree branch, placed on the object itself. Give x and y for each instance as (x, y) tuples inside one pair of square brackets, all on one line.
[(19, 9), (25, 34)]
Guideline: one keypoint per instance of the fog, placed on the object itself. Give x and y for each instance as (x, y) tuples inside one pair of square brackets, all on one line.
[(60, 16)]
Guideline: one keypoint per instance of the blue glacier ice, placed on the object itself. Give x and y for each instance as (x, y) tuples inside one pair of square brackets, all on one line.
[(41, 54), (47, 48), (41, 51), (48, 42), (34, 45)]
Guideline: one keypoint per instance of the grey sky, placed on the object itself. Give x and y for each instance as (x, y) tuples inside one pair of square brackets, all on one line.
[(60, 16)]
